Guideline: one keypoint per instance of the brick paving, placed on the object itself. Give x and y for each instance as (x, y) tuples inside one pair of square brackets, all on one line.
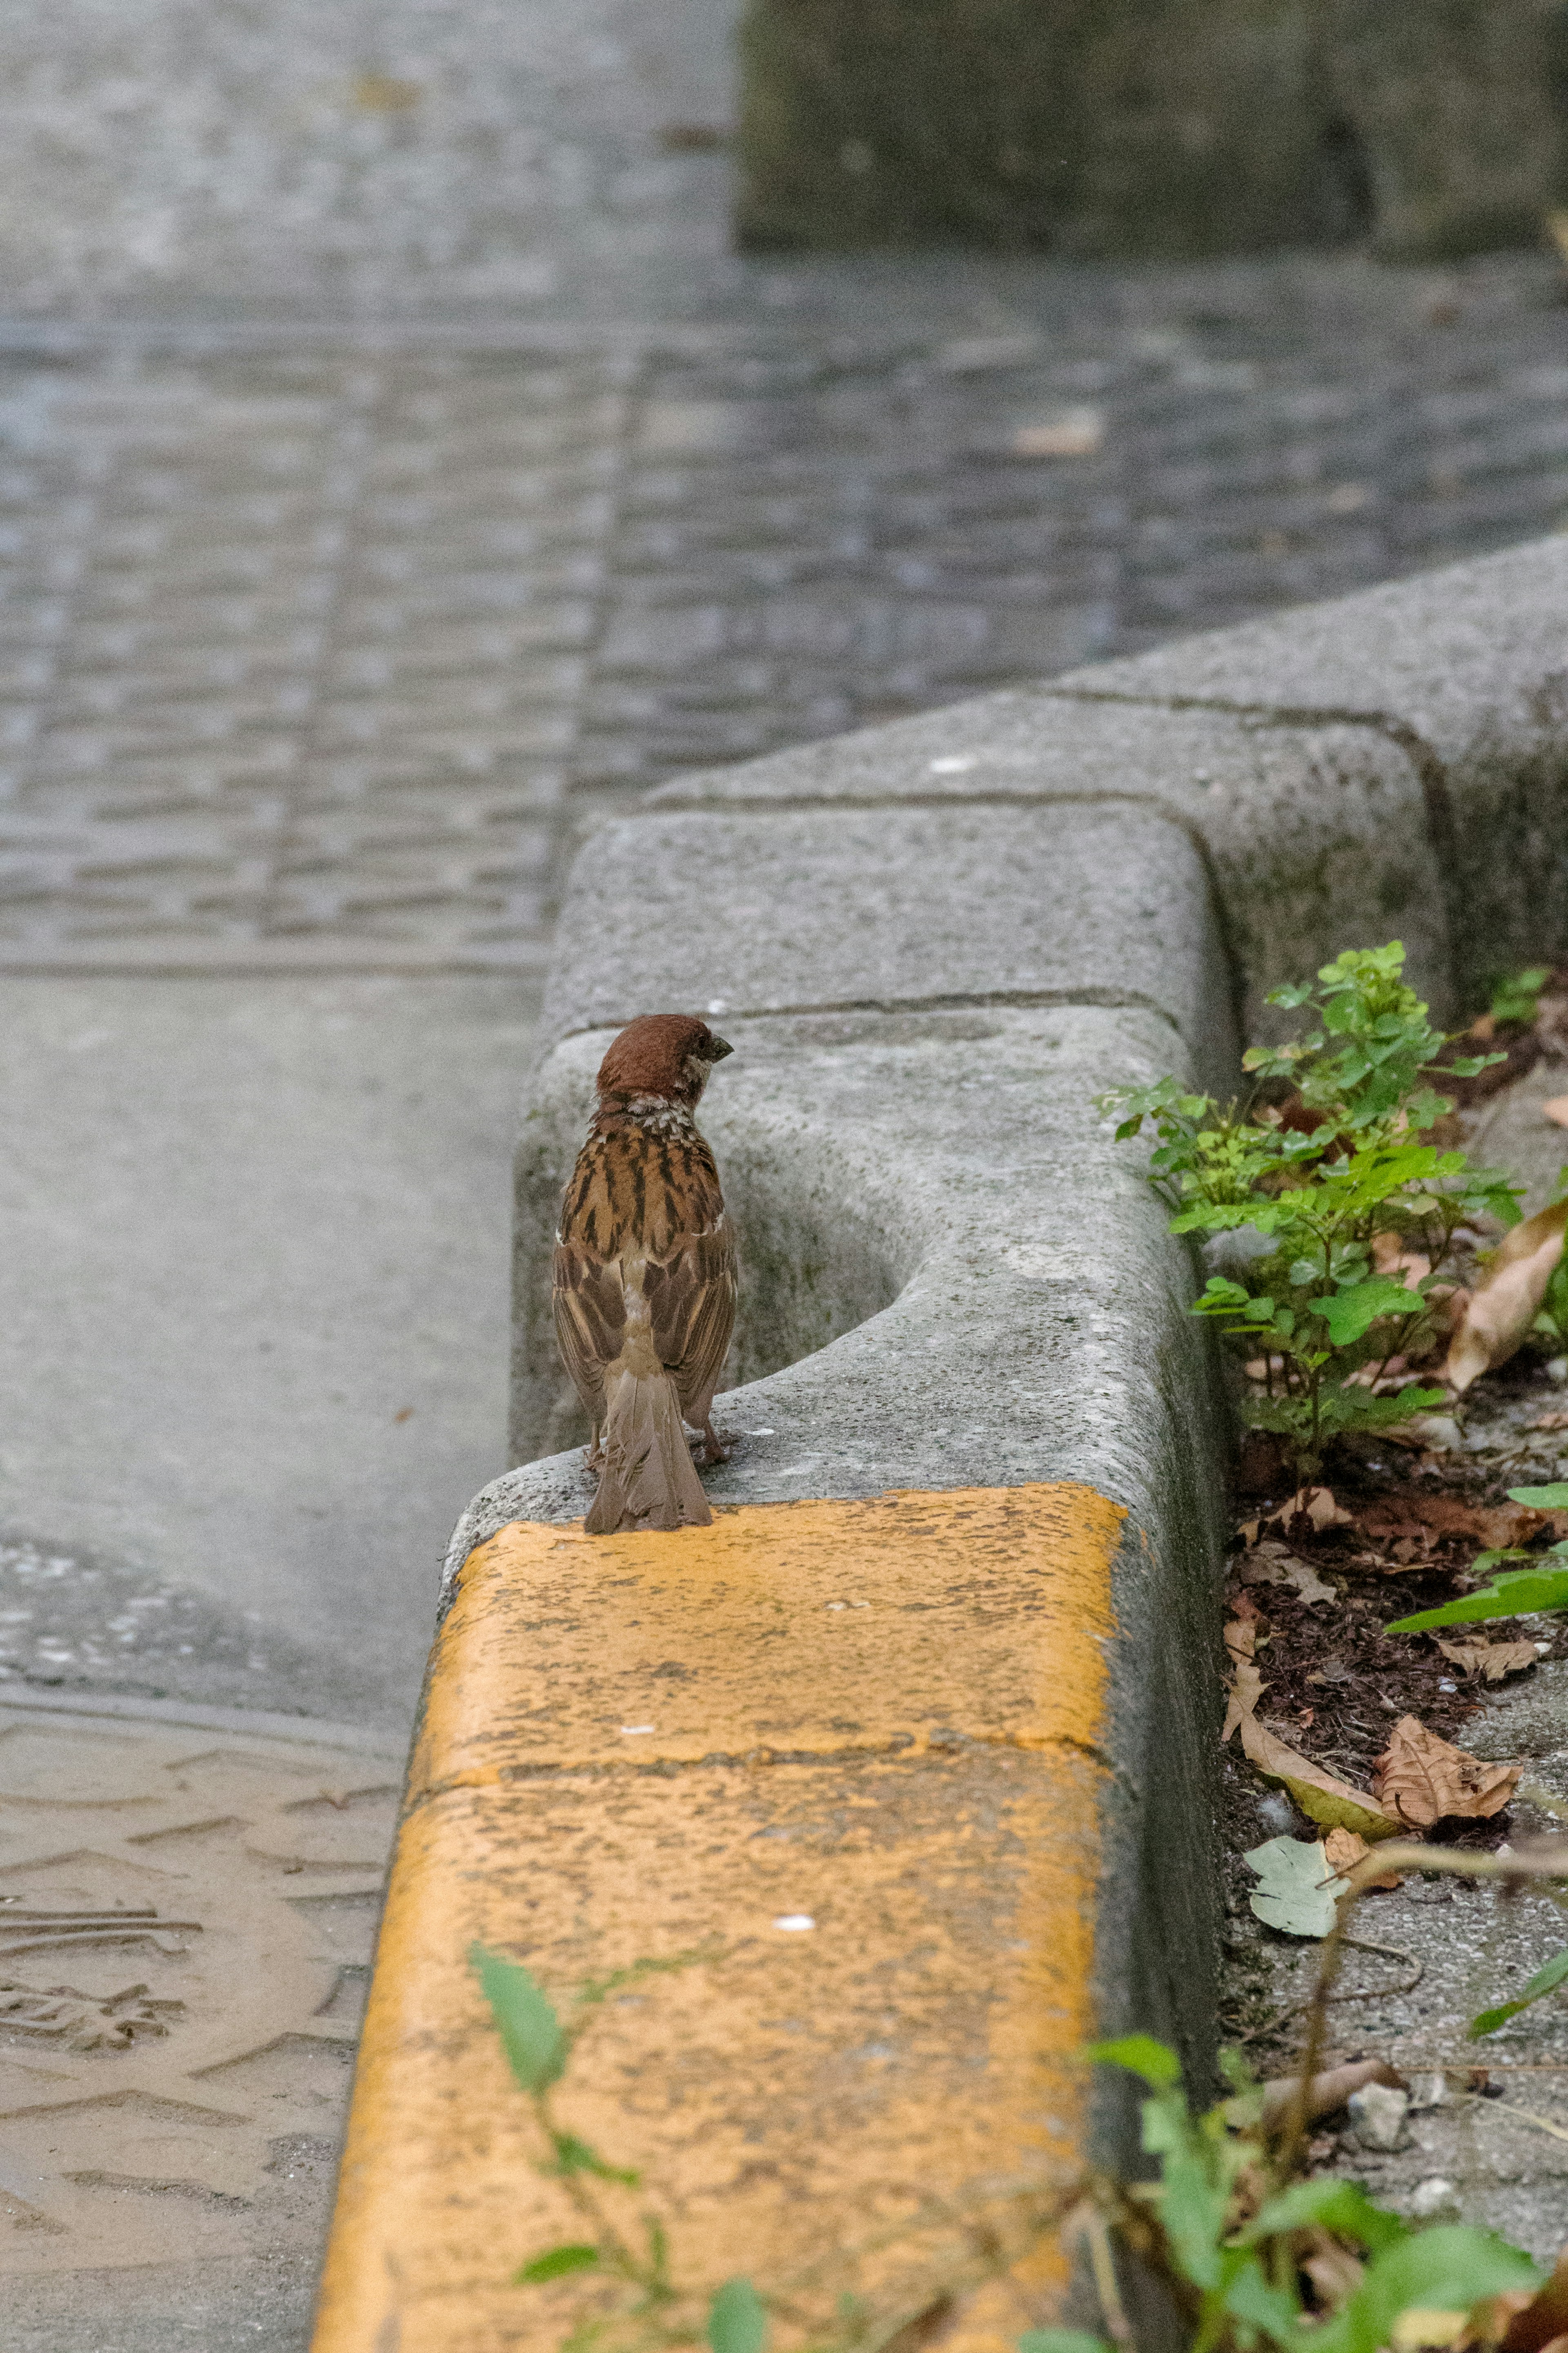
[(320, 643)]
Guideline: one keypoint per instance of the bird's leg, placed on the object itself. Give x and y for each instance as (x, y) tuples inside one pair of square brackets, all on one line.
[(594, 1452), (713, 1450)]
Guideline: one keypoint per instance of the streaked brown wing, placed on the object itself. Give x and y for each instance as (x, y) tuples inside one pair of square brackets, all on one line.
[(589, 1321), (691, 1293)]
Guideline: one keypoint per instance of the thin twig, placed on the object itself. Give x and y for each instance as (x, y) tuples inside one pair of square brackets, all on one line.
[(1094, 2228)]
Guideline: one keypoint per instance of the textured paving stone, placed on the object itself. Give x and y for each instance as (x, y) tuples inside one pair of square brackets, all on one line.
[(317, 648)]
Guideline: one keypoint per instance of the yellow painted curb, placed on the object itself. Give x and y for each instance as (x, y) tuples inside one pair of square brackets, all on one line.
[(883, 1718)]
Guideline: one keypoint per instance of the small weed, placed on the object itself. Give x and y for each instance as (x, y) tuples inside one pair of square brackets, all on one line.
[(1338, 1224), (1257, 2259)]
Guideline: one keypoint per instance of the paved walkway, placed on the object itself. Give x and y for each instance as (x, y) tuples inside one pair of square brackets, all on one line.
[(325, 635), (343, 592)]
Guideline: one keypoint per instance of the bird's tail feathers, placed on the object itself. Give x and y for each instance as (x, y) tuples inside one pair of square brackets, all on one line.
[(648, 1478)]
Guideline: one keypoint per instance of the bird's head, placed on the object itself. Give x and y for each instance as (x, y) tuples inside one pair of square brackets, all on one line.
[(665, 1057)]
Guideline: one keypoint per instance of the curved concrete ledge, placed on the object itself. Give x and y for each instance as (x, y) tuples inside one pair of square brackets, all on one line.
[(932, 945)]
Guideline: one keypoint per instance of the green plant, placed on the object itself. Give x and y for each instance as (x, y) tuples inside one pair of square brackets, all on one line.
[(1515, 996), (1347, 1220), (1231, 2233), (1241, 2242), (1519, 1592)]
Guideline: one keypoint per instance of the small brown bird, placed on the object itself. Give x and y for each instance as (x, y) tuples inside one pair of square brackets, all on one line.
[(645, 1277)]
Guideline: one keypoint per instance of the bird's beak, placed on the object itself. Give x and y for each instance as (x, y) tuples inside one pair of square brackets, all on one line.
[(718, 1048)]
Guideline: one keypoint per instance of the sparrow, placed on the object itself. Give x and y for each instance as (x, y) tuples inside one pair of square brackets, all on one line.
[(645, 1277)]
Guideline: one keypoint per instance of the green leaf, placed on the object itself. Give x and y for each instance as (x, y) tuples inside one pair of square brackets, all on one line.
[(1544, 1981), (1061, 2340), (1341, 2206), (1517, 1595), (575, 2156), (737, 2322), (1297, 1886), (1248, 2296), (529, 2028), (1542, 1499), (1450, 2269), (1192, 2208), (1514, 998), (1350, 1312), (1141, 2055), (555, 2264)]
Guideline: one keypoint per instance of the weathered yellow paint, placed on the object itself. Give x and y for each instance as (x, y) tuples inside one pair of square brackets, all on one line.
[(885, 1715)]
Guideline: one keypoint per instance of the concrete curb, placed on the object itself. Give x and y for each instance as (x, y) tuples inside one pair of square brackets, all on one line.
[(957, 1291)]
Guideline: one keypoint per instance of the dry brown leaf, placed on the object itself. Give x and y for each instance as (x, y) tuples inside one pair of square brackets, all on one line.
[(1507, 1299), (1556, 1110), (1539, 2321), (1333, 2270), (1240, 1636), (1307, 1582), (1322, 1798), (1275, 1564), (1548, 1421), (1318, 1506), (1508, 1524), (1390, 1256), (1245, 1690), (1330, 2089), (1424, 1779), (1493, 1660), (1074, 433), (1344, 1849)]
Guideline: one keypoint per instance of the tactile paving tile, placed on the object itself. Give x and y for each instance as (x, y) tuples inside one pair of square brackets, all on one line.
[(187, 1918)]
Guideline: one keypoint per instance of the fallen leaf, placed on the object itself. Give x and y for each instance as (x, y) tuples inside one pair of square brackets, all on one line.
[(1317, 1505), (1344, 1849), (1240, 1634), (1247, 1531), (1295, 1891), (1321, 1796), (1493, 1660), (1074, 433), (1334, 2272), (1246, 1689), (1548, 1421), (1330, 2089), (1556, 1110), (1275, 1564), (1504, 1305), (1506, 1524), (1390, 1256), (1424, 1779), (1537, 2321), (1392, 1520)]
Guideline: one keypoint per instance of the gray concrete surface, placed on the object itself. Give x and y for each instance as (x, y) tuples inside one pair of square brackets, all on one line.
[(252, 1324), (762, 909), (1298, 827), (363, 158)]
